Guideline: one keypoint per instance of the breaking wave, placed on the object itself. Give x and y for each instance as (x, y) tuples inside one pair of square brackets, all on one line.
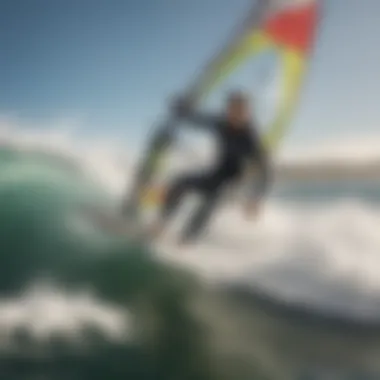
[(81, 301)]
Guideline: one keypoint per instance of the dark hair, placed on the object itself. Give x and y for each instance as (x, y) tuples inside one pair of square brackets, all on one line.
[(237, 96)]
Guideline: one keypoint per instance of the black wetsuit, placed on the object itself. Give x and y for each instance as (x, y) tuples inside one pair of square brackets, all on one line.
[(237, 147)]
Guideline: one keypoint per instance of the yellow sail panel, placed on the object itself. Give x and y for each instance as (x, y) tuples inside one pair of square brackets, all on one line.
[(251, 44), (293, 31), (294, 67)]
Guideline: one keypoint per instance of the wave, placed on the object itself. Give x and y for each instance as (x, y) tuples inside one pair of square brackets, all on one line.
[(90, 303), (41, 248)]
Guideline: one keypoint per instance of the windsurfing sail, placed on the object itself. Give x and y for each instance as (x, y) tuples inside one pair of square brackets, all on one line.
[(272, 46)]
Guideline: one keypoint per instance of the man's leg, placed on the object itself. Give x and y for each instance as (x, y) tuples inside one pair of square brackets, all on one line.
[(201, 217), (174, 197)]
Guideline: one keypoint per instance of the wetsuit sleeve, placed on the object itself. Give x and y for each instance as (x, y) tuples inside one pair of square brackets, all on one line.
[(202, 120), (261, 160), (184, 110)]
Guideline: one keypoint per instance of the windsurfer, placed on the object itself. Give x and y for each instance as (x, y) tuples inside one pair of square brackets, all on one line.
[(239, 144)]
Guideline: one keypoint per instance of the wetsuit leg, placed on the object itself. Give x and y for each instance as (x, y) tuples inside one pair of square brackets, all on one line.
[(179, 189), (202, 214)]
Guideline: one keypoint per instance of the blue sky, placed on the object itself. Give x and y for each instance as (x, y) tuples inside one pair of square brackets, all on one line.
[(112, 63)]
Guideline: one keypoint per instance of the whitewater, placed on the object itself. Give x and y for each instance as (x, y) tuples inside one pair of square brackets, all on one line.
[(297, 250), (314, 249)]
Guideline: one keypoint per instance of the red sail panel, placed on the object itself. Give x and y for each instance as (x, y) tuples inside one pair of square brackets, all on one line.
[(294, 26)]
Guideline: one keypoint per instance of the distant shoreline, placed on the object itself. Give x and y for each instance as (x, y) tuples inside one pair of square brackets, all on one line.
[(328, 171)]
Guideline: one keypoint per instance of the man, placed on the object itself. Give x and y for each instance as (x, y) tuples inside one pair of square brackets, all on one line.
[(239, 146)]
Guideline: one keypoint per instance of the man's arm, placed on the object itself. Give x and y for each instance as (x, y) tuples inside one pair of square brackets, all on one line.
[(202, 120), (261, 161), (183, 109)]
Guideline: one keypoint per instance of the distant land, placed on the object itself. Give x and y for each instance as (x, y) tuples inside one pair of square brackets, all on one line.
[(357, 158), (329, 171)]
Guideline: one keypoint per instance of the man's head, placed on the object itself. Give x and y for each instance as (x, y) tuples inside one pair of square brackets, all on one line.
[(238, 109)]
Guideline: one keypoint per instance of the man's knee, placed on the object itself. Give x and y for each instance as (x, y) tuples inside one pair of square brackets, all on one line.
[(190, 182), (179, 185)]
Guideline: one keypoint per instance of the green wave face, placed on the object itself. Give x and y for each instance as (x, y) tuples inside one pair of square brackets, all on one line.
[(44, 233)]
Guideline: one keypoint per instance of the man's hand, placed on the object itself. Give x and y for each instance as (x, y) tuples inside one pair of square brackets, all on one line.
[(181, 105)]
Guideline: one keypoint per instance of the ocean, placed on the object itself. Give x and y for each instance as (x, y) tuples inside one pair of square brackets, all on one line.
[(293, 295)]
